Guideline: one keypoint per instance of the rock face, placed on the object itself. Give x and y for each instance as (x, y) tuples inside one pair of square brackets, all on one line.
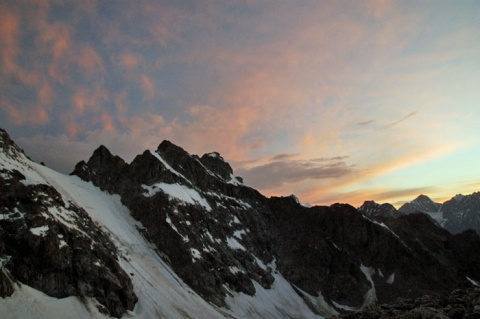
[(196, 212), (460, 213), (53, 245), (335, 250), (372, 209), (422, 203), (460, 303)]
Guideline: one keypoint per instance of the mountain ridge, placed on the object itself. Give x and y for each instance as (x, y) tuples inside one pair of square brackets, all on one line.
[(458, 214), (221, 245)]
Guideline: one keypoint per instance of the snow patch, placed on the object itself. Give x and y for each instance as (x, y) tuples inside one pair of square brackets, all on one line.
[(235, 270), (370, 296), (380, 273), (62, 244), (167, 166), (281, 301), (182, 193), (234, 244), (27, 302), (239, 233), (320, 304), (40, 231), (4, 260), (260, 263), (344, 307), (196, 254), (235, 220), (169, 221), (473, 282), (237, 201), (391, 279)]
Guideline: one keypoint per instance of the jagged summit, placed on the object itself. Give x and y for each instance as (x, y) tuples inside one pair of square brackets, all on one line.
[(215, 163), (462, 212), (422, 203), (373, 209), (50, 242), (8, 146)]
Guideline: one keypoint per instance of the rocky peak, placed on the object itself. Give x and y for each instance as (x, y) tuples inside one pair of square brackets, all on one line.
[(51, 244), (373, 209), (172, 153), (103, 168), (462, 212), (217, 165), (422, 204), (8, 146)]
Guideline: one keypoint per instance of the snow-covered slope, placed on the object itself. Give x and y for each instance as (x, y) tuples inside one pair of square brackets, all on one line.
[(161, 293)]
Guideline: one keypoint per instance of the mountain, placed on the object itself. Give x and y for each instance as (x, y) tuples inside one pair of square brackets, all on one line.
[(175, 235), (422, 203), (425, 205), (462, 212), (372, 209)]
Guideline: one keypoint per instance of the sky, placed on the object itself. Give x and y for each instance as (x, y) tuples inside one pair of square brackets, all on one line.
[(333, 101)]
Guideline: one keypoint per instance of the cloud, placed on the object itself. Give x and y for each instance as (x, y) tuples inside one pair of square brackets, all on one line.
[(57, 152), (396, 197), (129, 60), (281, 172), (280, 157), (364, 123), (409, 115), (148, 86), (9, 35)]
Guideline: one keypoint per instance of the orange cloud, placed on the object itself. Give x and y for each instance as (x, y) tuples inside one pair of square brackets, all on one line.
[(9, 34), (88, 106), (89, 61), (129, 60), (107, 122), (148, 86), (377, 8)]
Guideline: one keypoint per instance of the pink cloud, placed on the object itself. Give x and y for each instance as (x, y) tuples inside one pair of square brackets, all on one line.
[(9, 34), (148, 85), (129, 60)]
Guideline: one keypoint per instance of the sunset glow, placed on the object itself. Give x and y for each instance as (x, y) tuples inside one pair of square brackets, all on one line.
[(334, 101)]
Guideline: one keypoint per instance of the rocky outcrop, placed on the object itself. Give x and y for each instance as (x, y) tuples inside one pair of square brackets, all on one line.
[(462, 213), (102, 168), (422, 203), (53, 245), (197, 213), (372, 209), (354, 261), (460, 303)]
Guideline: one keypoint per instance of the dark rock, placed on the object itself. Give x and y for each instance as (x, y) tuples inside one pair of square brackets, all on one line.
[(56, 248), (217, 165), (102, 168), (372, 209), (422, 203), (462, 213)]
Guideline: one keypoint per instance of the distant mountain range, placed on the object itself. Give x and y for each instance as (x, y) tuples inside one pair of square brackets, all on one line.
[(175, 235), (460, 213)]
